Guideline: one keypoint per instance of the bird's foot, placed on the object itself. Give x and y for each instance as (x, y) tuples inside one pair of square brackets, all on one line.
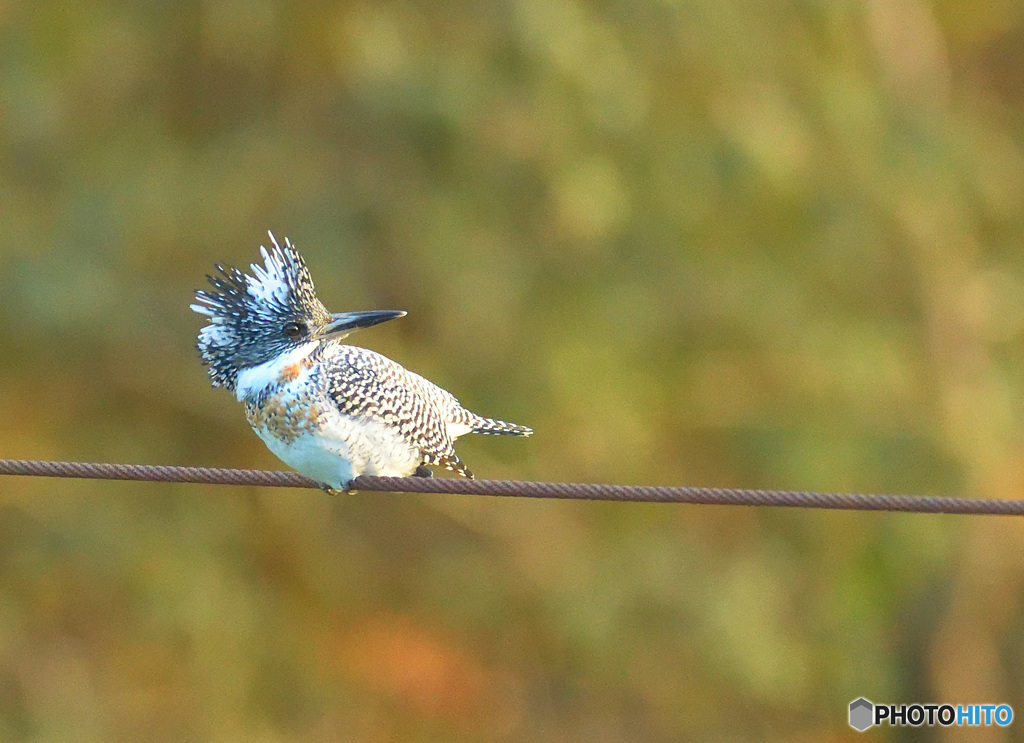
[(349, 490), (423, 471)]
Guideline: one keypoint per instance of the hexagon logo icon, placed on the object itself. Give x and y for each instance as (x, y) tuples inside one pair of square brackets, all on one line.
[(861, 714)]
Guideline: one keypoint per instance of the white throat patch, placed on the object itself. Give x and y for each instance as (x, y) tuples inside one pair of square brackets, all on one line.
[(256, 378)]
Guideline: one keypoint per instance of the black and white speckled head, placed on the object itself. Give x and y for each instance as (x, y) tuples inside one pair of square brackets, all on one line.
[(254, 318)]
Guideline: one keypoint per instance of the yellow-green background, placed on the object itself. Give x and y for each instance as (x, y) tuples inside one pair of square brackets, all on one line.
[(759, 244)]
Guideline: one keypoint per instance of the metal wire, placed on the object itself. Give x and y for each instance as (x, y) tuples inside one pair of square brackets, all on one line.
[(155, 473), (525, 489)]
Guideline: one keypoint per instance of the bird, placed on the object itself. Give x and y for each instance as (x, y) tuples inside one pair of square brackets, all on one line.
[(330, 410)]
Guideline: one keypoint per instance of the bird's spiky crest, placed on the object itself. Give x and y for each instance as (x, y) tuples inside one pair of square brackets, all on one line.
[(246, 312)]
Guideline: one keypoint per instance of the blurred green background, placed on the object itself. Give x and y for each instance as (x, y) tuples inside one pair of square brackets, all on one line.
[(708, 243)]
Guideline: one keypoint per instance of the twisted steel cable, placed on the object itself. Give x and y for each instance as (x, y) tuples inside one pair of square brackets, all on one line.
[(525, 489), (154, 473)]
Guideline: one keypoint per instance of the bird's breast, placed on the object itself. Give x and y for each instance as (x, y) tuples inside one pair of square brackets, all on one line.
[(282, 399), (285, 413), (309, 433)]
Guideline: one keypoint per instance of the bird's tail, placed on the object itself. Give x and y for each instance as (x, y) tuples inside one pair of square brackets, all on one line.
[(491, 426)]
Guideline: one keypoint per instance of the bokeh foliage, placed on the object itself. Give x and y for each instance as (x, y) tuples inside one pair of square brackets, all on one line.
[(714, 243)]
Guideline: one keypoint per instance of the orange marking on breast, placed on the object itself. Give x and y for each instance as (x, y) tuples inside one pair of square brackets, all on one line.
[(289, 373)]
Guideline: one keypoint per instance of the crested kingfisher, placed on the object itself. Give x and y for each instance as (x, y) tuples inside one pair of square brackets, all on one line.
[(329, 410)]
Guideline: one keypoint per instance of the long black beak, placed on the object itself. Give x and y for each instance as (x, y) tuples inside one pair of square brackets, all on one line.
[(346, 322)]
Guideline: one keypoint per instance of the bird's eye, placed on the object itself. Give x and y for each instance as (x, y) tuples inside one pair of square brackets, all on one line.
[(294, 329)]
